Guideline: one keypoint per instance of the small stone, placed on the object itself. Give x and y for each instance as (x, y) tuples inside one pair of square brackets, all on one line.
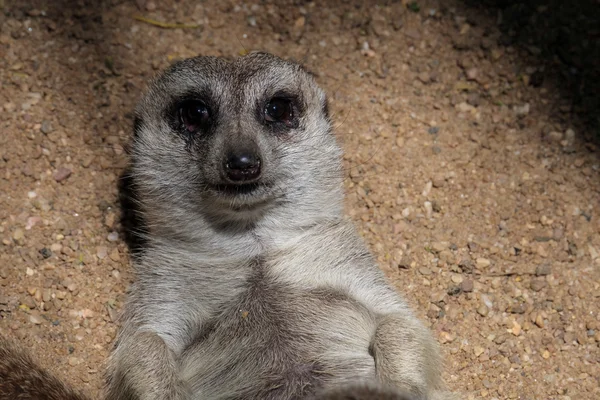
[(19, 236), (521, 110), (56, 247), (424, 271), (466, 266), (36, 319), (464, 107), (113, 237), (483, 262), (46, 127), (472, 74), (446, 337), (86, 162), (467, 285), (438, 297), (516, 329), (538, 284), (424, 77), (109, 221), (478, 350), (438, 181), (516, 308), (555, 136), (439, 246), (114, 255), (73, 361), (46, 252), (539, 320), (546, 354), (101, 252), (483, 310), (61, 174), (543, 269), (454, 290), (405, 262)]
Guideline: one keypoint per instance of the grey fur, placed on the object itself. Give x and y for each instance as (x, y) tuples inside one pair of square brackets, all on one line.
[(263, 295), (22, 379)]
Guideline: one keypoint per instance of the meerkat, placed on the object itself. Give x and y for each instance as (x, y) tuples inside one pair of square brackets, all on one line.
[(252, 284), (22, 379)]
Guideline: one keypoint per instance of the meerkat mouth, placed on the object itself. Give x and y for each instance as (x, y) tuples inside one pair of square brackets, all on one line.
[(238, 189)]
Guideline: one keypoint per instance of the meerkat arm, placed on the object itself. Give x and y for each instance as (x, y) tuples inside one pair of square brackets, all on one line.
[(142, 367), (406, 355)]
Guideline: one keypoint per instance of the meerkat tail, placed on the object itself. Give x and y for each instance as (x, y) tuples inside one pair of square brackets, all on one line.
[(21, 378)]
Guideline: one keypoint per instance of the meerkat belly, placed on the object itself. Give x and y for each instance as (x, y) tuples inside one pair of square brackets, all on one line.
[(278, 342)]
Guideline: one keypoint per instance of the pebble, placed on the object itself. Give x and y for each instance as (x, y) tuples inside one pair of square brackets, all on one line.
[(36, 319), (425, 271), (61, 174), (472, 74), (478, 350), (447, 337), (483, 262), (546, 354), (543, 269), (56, 247), (73, 361), (538, 284), (9, 107), (46, 127), (19, 236), (114, 255), (424, 77), (464, 107), (113, 237), (483, 310), (101, 252), (439, 246), (467, 285), (516, 328)]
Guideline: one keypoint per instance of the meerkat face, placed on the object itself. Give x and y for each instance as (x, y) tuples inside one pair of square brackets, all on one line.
[(231, 139)]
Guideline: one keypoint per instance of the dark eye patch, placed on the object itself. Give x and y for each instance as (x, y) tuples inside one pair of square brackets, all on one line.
[(279, 109), (281, 112), (194, 115)]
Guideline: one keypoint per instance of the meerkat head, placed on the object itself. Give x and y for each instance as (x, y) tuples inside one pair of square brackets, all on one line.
[(236, 143)]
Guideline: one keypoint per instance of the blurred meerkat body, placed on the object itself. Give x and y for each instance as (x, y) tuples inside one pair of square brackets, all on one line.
[(22, 379), (251, 284)]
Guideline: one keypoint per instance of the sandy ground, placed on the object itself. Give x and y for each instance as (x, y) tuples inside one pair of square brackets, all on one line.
[(472, 171)]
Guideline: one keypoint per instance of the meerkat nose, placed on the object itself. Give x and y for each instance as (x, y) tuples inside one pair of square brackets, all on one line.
[(242, 165)]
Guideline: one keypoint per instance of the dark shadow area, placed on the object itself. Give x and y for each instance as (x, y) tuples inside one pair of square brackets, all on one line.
[(132, 223), (563, 38), (85, 31)]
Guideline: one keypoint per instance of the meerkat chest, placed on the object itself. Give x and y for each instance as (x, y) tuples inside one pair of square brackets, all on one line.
[(279, 337)]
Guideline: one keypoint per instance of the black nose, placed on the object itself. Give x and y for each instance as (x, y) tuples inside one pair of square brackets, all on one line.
[(242, 166)]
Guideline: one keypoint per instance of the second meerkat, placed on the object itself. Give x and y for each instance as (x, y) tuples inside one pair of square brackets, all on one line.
[(252, 284)]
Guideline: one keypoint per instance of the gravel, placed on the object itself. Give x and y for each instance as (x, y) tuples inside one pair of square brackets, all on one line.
[(468, 173)]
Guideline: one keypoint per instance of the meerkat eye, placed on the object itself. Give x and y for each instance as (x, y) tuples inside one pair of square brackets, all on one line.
[(194, 115), (279, 110)]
